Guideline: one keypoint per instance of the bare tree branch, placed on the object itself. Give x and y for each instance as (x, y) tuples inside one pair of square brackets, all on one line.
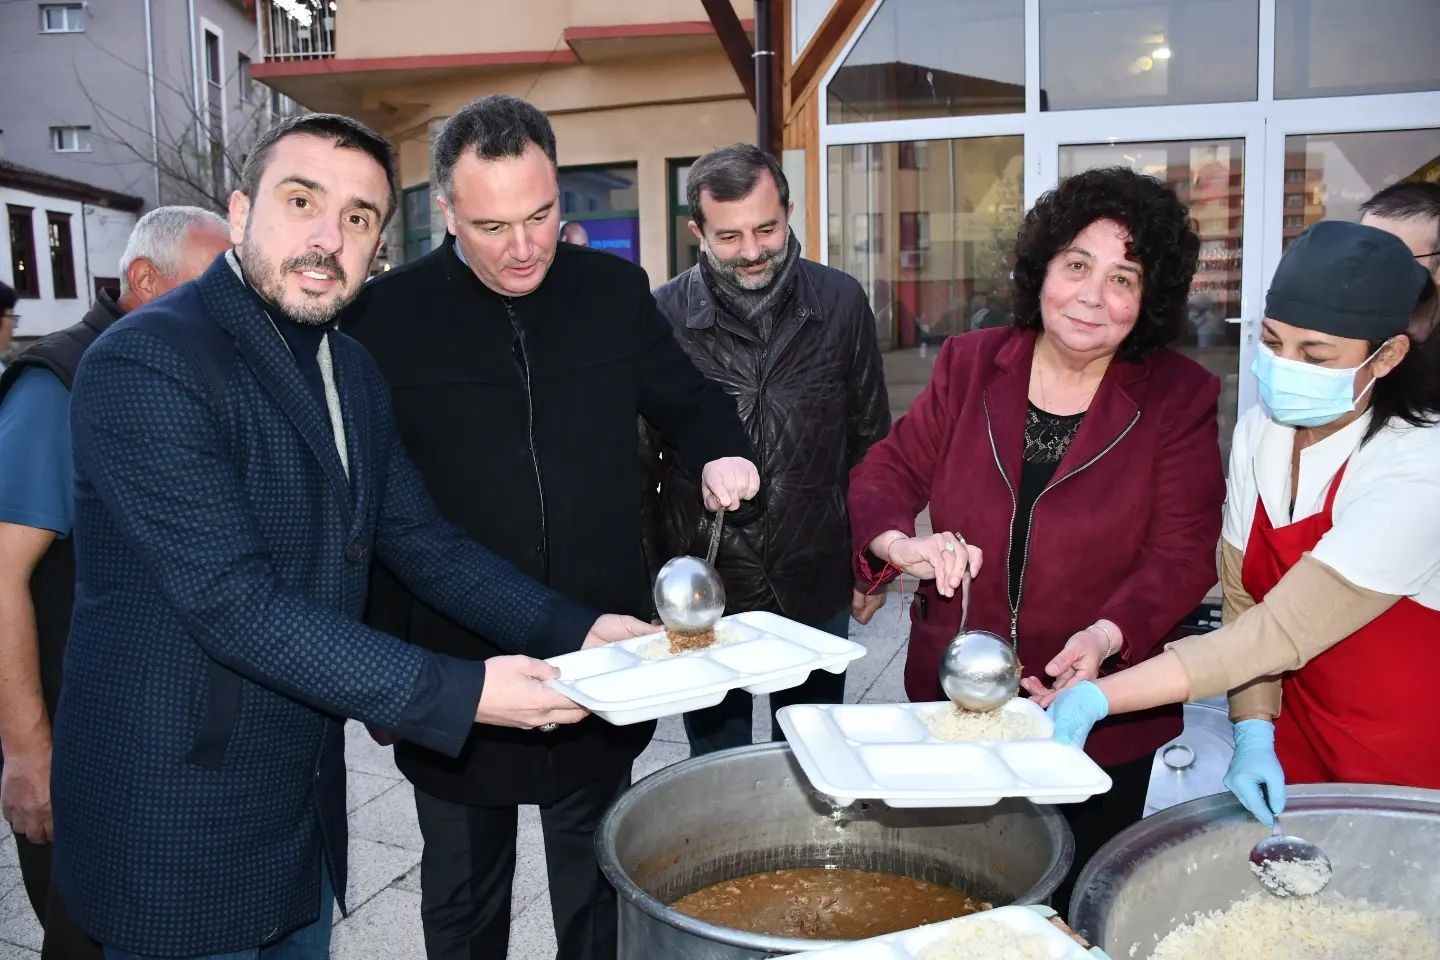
[(190, 151)]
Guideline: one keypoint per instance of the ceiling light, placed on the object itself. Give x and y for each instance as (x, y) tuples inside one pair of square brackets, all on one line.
[(1161, 53)]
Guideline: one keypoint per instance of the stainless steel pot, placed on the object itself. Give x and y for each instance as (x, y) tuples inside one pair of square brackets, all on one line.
[(1193, 765), (1384, 843), (743, 811)]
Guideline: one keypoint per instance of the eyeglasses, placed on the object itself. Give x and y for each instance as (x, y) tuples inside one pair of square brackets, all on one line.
[(1432, 253)]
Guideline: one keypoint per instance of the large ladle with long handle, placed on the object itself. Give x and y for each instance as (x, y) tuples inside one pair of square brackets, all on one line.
[(979, 670), (689, 595)]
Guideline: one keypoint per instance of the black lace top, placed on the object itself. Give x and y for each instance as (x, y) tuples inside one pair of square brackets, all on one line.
[(1047, 438)]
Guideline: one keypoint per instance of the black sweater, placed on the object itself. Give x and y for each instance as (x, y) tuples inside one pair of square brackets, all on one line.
[(521, 415)]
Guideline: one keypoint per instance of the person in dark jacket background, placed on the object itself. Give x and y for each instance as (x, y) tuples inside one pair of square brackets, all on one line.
[(519, 366), (794, 342), (169, 246)]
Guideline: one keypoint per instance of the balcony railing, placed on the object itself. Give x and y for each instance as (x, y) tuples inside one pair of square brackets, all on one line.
[(297, 29)]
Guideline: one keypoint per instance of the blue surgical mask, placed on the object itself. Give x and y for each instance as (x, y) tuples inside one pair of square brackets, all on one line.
[(1303, 394)]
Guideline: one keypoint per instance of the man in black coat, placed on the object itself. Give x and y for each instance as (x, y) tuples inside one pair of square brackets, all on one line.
[(794, 342), (519, 366)]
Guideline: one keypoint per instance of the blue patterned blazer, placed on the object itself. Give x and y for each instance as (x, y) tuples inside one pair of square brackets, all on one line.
[(222, 557)]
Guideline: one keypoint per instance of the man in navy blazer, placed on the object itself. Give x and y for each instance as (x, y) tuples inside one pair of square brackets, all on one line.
[(236, 467)]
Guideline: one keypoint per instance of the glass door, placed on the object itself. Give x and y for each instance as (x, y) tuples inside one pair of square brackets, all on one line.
[(1217, 170)]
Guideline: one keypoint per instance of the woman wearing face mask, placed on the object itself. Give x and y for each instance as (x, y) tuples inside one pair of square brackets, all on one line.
[(1331, 541)]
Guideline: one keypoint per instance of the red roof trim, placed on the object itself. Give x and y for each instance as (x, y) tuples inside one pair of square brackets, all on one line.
[(620, 31), (302, 68)]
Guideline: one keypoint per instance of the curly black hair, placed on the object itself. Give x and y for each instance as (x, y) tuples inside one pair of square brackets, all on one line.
[(1162, 240)]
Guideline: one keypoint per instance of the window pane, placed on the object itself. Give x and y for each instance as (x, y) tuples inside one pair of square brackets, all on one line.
[(1331, 174), (946, 270), (1343, 47), (22, 252), (62, 257), (212, 58), (60, 18), (1209, 176), (934, 58), (1130, 53), (684, 248), (601, 208)]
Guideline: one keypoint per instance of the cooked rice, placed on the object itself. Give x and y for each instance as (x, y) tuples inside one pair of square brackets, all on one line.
[(1263, 927), (1295, 878), (981, 940), (952, 723)]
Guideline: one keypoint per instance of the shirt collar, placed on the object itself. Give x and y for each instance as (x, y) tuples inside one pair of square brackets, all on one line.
[(1319, 463)]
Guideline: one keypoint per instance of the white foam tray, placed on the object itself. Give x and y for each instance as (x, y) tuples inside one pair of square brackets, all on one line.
[(884, 751), (614, 682), (909, 944)]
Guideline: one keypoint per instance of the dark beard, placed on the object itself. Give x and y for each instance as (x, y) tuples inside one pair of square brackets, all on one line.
[(267, 281), (729, 270)]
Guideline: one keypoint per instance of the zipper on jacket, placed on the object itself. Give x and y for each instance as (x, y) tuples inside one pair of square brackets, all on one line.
[(1030, 522), (522, 360)]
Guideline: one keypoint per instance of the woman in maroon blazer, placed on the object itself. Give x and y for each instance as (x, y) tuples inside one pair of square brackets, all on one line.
[(1077, 455)]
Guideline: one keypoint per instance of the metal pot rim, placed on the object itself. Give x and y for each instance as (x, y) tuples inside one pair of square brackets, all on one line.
[(629, 890), (1185, 819)]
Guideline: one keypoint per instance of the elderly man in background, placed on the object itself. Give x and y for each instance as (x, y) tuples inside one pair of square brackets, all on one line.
[(168, 247), (794, 342)]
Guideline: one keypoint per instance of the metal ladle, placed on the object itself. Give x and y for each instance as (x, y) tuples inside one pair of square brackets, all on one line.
[(1288, 866), (689, 595), (979, 671)]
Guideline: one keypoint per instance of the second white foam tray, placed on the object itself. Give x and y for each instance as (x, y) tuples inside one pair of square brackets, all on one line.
[(885, 751)]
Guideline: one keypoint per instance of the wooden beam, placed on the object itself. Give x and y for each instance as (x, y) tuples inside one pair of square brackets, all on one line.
[(737, 45), (832, 34)]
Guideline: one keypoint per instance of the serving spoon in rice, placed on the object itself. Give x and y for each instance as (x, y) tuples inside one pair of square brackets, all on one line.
[(1288, 866)]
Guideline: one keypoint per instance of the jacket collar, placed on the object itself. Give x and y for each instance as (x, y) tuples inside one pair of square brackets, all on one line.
[(105, 311), (706, 313), (1113, 409), (239, 310)]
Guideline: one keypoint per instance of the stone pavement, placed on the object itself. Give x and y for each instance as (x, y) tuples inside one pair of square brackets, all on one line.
[(384, 923)]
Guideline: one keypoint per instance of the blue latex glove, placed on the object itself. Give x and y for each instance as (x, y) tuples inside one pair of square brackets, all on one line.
[(1255, 765), (1076, 710)]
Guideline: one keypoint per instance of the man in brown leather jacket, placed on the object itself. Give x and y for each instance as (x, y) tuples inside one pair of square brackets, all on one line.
[(794, 342)]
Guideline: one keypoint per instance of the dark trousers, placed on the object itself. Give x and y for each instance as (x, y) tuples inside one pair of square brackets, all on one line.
[(63, 939), (1096, 821), (728, 723), (468, 865)]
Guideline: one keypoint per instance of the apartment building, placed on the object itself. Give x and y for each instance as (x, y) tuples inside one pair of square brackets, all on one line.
[(150, 98)]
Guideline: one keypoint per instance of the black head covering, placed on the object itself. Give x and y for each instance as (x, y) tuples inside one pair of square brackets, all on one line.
[(1346, 280)]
